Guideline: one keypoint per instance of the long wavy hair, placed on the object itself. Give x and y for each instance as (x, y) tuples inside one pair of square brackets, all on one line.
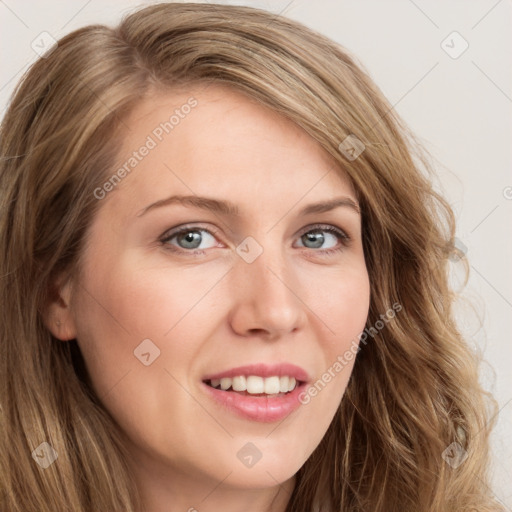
[(414, 388)]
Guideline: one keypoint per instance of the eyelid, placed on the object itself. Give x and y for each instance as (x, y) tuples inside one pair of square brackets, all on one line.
[(324, 227), (178, 230)]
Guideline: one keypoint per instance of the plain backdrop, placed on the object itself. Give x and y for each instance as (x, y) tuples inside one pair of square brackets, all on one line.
[(446, 68)]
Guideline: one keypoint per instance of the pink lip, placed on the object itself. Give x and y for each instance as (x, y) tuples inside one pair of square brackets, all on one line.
[(263, 370), (257, 408)]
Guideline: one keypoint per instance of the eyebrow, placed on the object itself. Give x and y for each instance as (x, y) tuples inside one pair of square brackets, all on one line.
[(229, 209)]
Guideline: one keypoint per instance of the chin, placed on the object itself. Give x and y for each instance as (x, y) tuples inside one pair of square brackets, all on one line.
[(259, 476)]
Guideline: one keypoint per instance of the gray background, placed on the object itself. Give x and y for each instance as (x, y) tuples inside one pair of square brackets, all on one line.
[(459, 105)]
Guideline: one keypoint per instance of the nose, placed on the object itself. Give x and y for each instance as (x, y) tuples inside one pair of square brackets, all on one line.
[(269, 298)]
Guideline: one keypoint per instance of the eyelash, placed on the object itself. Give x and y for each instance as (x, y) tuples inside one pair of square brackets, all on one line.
[(341, 235)]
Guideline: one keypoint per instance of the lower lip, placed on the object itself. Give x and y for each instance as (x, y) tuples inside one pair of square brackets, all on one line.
[(257, 408)]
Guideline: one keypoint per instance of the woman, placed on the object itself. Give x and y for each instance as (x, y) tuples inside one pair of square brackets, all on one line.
[(207, 212)]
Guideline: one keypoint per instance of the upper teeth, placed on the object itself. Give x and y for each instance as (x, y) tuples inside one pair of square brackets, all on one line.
[(256, 385)]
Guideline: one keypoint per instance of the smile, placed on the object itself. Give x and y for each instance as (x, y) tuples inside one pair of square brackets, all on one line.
[(258, 392), (255, 385)]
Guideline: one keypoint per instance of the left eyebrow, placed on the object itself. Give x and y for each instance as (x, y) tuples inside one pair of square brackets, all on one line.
[(230, 209), (326, 206)]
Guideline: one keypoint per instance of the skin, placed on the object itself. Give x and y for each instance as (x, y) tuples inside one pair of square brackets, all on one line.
[(213, 311)]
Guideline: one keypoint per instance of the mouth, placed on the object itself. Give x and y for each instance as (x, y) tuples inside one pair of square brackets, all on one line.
[(257, 392), (255, 385)]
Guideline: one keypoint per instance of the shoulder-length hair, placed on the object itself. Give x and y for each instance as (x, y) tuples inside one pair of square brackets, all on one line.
[(414, 389)]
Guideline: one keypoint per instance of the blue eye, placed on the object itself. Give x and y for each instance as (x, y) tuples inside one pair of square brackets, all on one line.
[(194, 239), (316, 237), (189, 238)]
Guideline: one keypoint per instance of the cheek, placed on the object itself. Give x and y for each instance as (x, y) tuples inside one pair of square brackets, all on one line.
[(345, 311), (123, 304), (130, 316), (153, 298), (344, 303), (339, 304)]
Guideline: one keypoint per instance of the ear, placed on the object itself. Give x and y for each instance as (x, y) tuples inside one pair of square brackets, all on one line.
[(57, 314)]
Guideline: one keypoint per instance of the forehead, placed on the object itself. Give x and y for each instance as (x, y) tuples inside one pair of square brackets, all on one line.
[(213, 138)]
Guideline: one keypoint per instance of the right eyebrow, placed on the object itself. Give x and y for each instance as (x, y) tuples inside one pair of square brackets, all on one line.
[(205, 203)]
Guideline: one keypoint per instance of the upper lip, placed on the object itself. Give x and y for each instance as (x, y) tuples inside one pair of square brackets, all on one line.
[(263, 370)]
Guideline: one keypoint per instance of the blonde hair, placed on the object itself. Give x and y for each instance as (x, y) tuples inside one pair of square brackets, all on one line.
[(414, 388)]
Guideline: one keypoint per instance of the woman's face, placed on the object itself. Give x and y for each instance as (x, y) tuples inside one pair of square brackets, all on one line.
[(174, 293)]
